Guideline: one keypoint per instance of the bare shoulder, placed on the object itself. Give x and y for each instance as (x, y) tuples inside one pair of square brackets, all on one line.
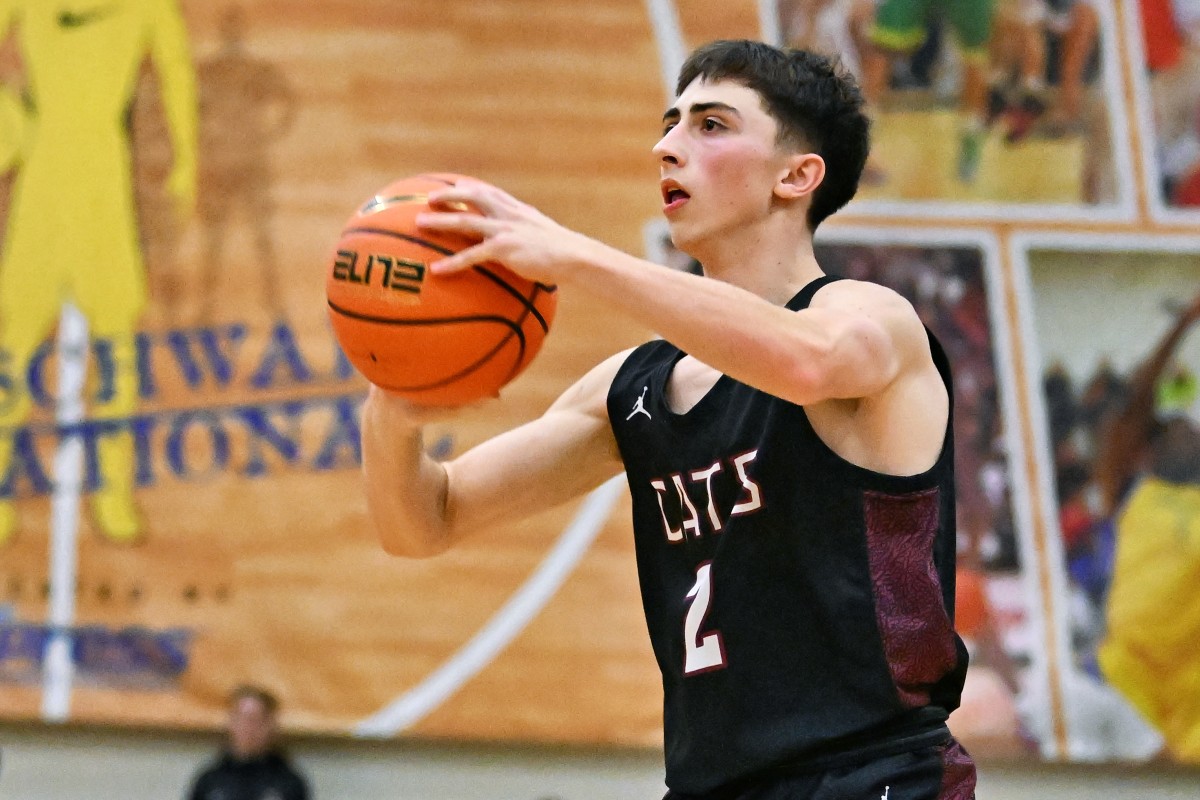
[(882, 305), (851, 294), (897, 424)]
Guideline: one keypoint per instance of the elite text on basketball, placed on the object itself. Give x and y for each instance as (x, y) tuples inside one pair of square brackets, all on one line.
[(399, 274)]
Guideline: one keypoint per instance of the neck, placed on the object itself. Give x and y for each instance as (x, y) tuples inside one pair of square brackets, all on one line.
[(248, 755), (773, 259)]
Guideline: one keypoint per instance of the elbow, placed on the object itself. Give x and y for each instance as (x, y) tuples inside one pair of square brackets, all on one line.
[(808, 384), (811, 378), (856, 364), (407, 535), (412, 547)]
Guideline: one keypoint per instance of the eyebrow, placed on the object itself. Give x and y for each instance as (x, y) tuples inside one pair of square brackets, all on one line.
[(673, 113)]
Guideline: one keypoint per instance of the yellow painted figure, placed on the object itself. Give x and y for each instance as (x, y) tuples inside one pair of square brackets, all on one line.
[(72, 231), (1154, 611)]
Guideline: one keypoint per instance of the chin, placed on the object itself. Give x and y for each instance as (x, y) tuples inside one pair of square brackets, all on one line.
[(685, 241)]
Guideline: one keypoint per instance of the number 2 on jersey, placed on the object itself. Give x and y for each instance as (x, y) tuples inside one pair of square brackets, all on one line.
[(702, 652)]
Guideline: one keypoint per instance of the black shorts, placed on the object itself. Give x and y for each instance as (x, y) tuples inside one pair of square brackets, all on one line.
[(942, 772)]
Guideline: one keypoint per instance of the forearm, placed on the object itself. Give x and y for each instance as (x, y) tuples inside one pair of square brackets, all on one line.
[(1146, 378), (406, 489), (1126, 434), (851, 342), (422, 507)]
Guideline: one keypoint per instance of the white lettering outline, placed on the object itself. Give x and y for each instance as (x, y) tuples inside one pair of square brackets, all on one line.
[(701, 653), (706, 476), (755, 501), (660, 489)]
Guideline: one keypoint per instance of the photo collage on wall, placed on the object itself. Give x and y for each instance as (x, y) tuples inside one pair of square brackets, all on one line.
[(1166, 84), (986, 108)]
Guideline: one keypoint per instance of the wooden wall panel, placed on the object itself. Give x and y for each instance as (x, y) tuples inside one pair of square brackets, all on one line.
[(279, 578)]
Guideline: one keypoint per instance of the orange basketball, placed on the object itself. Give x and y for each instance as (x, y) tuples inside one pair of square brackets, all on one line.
[(438, 340)]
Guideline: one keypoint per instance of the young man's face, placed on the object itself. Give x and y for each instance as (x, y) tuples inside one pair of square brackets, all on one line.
[(719, 161)]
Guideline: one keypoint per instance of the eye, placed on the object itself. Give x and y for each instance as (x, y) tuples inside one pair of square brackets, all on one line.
[(711, 124), (667, 128)]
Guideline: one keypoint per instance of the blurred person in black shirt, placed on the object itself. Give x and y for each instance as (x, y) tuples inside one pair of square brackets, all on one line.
[(251, 766)]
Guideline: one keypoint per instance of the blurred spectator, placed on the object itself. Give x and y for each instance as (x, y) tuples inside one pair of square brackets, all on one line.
[(1103, 395), (1060, 404), (251, 766)]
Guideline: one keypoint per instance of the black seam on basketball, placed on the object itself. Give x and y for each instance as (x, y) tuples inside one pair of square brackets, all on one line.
[(514, 330), (520, 334), (508, 287), (467, 370), (437, 248), (530, 308), (345, 312)]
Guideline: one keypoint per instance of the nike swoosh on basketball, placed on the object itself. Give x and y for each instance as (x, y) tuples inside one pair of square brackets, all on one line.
[(77, 19)]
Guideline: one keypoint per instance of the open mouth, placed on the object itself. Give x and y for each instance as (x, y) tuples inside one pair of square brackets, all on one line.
[(673, 195)]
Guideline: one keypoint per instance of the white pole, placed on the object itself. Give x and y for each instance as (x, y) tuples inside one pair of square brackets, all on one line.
[(58, 669)]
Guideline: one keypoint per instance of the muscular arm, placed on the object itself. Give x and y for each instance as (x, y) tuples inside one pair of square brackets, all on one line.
[(422, 507), (852, 343)]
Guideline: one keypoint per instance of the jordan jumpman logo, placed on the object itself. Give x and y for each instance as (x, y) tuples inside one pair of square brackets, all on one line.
[(640, 406)]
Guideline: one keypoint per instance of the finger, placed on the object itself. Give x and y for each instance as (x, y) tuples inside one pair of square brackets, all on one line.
[(463, 259), (460, 222), (477, 195), (464, 194)]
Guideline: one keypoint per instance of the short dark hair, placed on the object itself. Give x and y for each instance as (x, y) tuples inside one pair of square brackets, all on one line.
[(814, 100), (269, 702)]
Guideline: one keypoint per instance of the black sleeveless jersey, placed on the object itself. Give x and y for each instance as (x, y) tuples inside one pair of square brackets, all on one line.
[(800, 607)]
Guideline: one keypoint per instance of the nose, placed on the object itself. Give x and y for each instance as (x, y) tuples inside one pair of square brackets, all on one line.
[(668, 149)]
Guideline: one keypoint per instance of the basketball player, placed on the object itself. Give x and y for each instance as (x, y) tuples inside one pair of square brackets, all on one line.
[(787, 445), (1149, 473)]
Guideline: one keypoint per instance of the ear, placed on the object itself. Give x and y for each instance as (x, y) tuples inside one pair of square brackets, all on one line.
[(804, 174)]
